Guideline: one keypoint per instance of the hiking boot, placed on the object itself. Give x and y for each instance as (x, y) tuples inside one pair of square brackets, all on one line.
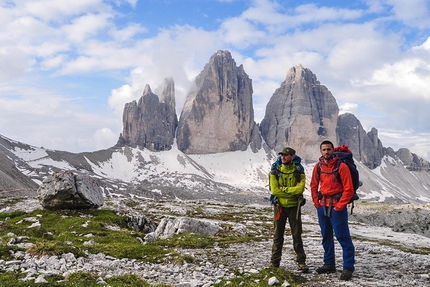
[(346, 275), (272, 265), (303, 268), (326, 269)]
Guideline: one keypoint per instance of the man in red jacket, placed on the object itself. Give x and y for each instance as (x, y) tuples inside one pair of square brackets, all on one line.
[(330, 197)]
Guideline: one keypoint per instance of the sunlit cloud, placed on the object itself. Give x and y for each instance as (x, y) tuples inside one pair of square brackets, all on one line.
[(75, 64)]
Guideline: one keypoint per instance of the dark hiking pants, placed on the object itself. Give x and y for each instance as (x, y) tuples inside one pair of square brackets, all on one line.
[(279, 230)]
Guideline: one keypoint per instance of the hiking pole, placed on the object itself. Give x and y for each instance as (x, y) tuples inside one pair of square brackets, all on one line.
[(299, 205)]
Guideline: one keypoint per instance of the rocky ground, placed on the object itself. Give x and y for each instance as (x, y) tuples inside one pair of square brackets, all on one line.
[(384, 257)]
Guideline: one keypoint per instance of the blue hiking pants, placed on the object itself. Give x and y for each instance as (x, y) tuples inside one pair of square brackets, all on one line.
[(337, 222)]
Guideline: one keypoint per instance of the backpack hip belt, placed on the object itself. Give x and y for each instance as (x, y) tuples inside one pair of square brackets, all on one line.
[(327, 209)]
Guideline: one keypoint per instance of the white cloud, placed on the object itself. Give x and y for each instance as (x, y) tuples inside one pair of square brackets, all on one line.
[(310, 13), (16, 62), (348, 108), (362, 54), (127, 33), (180, 53), (124, 94), (413, 13), (104, 138), (411, 75), (58, 10), (86, 26), (240, 33)]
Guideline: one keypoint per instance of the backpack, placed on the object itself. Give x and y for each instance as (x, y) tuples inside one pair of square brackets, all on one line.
[(275, 169), (345, 156)]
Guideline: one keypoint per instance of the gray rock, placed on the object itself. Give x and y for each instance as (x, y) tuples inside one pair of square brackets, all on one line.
[(301, 113), (412, 161), (218, 115), (273, 281), (151, 123), (65, 190), (171, 225), (141, 223), (40, 279), (366, 148), (12, 181), (378, 253)]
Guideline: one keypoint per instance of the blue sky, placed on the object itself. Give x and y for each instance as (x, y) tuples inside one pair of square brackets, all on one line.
[(68, 67)]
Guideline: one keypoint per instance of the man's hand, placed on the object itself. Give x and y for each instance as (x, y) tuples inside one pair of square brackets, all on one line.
[(337, 209)]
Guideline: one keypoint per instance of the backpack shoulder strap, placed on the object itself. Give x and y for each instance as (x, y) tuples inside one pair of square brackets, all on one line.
[(298, 171), (336, 170), (318, 171)]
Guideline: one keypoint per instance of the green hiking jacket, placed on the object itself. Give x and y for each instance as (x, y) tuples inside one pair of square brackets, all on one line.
[(286, 187)]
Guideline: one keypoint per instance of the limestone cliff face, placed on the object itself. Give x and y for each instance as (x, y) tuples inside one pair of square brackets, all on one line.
[(151, 123), (300, 114), (218, 115), (412, 161), (366, 147)]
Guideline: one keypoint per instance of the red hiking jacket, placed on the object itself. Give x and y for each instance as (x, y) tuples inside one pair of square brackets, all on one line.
[(329, 184)]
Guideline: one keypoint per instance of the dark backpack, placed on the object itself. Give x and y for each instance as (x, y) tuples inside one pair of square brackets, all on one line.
[(276, 170), (345, 156)]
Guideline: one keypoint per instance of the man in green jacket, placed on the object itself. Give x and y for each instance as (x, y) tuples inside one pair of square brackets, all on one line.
[(288, 184)]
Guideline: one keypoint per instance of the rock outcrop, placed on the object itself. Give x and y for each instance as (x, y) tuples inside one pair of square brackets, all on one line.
[(13, 181), (218, 115), (170, 226), (366, 147), (151, 123), (66, 190), (412, 161), (301, 113)]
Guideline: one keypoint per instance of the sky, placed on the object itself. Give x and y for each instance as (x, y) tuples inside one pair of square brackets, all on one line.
[(67, 68)]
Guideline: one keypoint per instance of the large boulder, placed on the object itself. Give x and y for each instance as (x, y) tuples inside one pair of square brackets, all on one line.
[(170, 226), (66, 190)]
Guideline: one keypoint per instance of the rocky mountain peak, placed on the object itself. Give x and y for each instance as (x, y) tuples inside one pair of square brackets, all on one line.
[(166, 92), (412, 161), (151, 123), (147, 90), (366, 147), (301, 113), (218, 114)]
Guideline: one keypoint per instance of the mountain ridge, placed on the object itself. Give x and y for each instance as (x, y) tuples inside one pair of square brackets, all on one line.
[(127, 171), (150, 161)]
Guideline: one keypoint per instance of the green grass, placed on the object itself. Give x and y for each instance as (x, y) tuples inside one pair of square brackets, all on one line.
[(79, 279), (63, 232), (261, 279)]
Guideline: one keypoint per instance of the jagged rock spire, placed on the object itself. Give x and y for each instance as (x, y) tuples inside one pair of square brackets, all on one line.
[(152, 122), (218, 115), (301, 113), (366, 147)]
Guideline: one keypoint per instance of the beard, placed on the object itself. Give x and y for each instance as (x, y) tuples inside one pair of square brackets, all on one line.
[(328, 156)]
